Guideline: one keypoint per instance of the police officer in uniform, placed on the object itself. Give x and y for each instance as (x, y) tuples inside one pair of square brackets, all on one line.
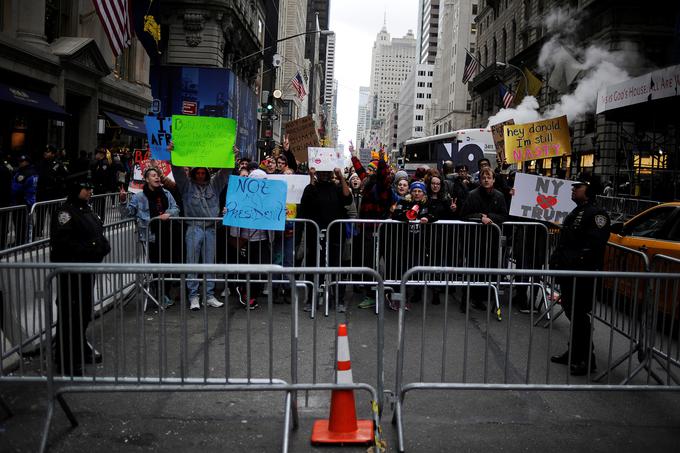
[(77, 236), (52, 173), (581, 247)]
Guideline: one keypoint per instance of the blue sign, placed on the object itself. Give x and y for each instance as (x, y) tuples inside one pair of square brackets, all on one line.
[(255, 203), (158, 135)]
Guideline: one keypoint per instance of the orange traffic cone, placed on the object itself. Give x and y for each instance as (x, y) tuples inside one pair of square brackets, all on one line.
[(343, 427)]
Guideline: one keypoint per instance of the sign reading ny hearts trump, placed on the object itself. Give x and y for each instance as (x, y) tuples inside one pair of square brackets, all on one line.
[(541, 198)]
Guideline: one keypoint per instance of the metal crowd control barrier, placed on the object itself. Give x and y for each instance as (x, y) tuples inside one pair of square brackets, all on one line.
[(180, 350), (392, 247), (447, 350), (104, 205), (621, 209), (13, 226), (666, 314), (297, 246)]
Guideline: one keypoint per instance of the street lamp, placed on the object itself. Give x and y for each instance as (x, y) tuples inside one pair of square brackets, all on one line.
[(526, 81)]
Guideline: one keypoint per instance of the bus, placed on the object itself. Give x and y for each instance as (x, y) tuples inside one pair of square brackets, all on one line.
[(464, 146)]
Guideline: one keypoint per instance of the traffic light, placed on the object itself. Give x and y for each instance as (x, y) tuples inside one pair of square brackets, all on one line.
[(269, 105)]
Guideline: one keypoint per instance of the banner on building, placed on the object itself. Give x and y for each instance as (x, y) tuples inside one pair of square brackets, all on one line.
[(201, 141), (538, 140), (541, 198), (302, 134), (158, 136), (255, 203), (325, 159), (499, 139)]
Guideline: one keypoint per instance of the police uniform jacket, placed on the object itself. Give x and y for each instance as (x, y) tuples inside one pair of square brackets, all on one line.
[(583, 238), (77, 234)]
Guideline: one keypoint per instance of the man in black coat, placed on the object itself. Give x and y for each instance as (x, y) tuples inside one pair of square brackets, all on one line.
[(52, 174), (581, 246), (486, 205), (77, 236)]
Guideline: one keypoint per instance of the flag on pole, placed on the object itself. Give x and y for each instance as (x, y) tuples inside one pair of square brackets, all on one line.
[(299, 85), (506, 96), (470, 67), (115, 19)]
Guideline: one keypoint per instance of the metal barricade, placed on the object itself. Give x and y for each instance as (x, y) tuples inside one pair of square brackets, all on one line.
[(448, 350), (215, 349), (666, 314), (14, 226), (621, 209), (204, 240)]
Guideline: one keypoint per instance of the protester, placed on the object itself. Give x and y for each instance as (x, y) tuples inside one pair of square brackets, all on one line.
[(24, 182), (582, 242), (288, 154), (77, 236), (152, 202)]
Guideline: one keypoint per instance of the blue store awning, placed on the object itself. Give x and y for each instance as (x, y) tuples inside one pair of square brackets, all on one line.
[(30, 99), (130, 125)]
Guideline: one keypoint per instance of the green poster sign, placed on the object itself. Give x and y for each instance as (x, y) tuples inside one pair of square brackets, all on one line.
[(203, 141)]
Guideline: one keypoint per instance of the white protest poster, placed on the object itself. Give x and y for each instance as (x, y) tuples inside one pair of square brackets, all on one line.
[(541, 198), (296, 186), (324, 159)]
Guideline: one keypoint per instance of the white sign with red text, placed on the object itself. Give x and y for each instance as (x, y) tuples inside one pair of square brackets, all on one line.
[(324, 159), (541, 198)]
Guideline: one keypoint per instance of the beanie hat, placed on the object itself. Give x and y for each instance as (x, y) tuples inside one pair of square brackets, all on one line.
[(398, 176), (352, 176), (373, 165), (418, 185)]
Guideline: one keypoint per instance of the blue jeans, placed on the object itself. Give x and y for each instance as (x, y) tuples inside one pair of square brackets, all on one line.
[(200, 243)]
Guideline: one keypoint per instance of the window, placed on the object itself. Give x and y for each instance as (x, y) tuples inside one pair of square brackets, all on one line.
[(419, 128), (652, 224), (473, 28), (421, 84), (420, 106), (429, 73), (420, 95), (468, 104), (474, 10), (58, 19), (419, 117), (429, 95)]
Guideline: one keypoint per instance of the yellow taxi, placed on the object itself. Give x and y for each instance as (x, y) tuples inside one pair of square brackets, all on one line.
[(655, 231)]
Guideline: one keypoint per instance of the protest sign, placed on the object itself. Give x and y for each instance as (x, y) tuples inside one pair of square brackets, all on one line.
[(302, 134), (296, 186), (158, 135), (499, 139), (255, 203), (365, 155), (291, 211), (325, 159), (141, 163), (203, 141), (538, 140), (541, 198)]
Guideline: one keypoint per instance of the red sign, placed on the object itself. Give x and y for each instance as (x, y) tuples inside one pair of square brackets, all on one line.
[(189, 108)]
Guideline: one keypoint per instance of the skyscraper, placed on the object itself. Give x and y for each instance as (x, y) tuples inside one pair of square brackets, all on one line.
[(330, 70), (428, 26), (363, 123)]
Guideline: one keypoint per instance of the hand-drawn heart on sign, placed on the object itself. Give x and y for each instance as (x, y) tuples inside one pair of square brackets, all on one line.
[(546, 201)]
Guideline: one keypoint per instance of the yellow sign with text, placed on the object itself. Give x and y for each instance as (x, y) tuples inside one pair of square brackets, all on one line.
[(539, 140)]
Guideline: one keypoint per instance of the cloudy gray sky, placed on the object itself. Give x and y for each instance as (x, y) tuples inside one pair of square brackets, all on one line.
[(356, 24)]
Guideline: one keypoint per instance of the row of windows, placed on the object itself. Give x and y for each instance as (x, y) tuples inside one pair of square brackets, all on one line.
[(422, 73)]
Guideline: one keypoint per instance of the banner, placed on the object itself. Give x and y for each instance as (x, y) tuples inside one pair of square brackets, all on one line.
[(202, 141), (255, 203), (539, 140), (499, 139), (295, 185), (158, 135), (302, 134), (324, 159), (541, 198), (142, 162)]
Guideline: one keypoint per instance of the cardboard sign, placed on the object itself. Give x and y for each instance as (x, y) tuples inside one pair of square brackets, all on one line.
[(302, 134), (158, 135), (324, 159), (499, 139), (365, 155), (142, 162), (541, 198), (539, 140), (255, 203), (203, 141), (296, 186)]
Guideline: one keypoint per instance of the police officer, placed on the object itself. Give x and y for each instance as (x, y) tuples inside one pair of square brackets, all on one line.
[(52, 174), (24, 182), (581, 246), (77, 236)]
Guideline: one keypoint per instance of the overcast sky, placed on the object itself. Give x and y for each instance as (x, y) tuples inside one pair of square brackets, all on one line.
[(356, 24)]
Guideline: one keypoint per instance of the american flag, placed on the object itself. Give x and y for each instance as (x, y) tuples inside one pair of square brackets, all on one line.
[(470, 67), (115, 19), (506, 96), (299, 85)]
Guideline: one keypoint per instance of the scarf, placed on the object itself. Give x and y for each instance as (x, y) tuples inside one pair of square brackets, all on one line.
[(158, 201)]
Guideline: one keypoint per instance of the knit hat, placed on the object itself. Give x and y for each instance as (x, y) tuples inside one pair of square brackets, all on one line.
[(417, 185), (398, 176), (373, 165), (352, 176)]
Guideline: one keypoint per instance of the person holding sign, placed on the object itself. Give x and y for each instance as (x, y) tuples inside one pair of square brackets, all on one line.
[(486, 205)]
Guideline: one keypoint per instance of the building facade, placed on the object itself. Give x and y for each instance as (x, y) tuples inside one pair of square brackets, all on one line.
[(61, 81), (363, 118), (451, 102), (415, 99), (428, 30), (391, 62), (330, 70)]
